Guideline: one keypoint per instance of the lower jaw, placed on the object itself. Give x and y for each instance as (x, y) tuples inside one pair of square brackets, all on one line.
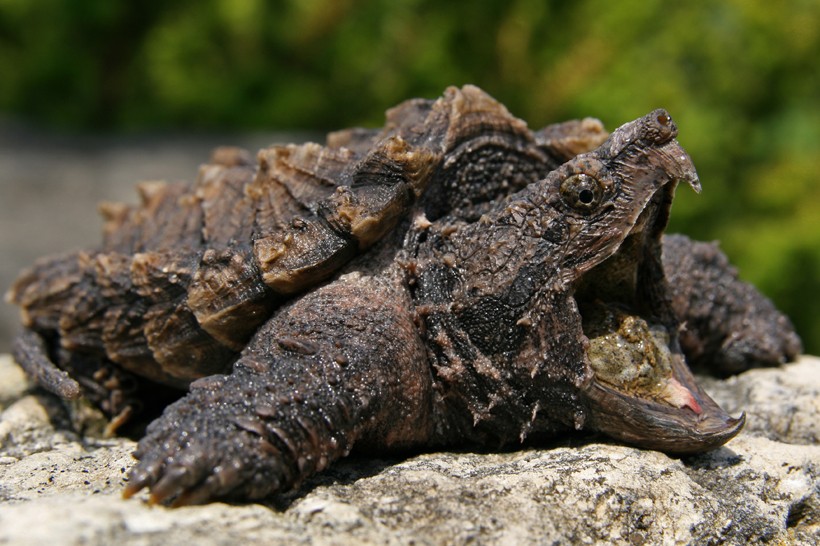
[(664, 409), (668, 411)]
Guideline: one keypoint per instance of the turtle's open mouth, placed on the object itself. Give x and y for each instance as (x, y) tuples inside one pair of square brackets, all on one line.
[(642, 391)]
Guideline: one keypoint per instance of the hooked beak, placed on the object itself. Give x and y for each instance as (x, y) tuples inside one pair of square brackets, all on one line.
[(662, 408), (682, 169), (688, 421)]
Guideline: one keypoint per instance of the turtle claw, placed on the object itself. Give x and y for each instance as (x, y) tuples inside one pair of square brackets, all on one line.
[(140, 477), (174, 482), (192, 457), (187, 474)]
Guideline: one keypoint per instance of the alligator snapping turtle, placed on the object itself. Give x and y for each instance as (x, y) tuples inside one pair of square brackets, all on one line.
[(450, 279)]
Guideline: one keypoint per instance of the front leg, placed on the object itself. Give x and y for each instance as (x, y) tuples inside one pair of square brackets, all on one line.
[(729, 326), (341, 367)]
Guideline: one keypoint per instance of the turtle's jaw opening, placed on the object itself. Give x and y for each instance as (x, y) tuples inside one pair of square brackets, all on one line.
[(688, 421), (641, 391)]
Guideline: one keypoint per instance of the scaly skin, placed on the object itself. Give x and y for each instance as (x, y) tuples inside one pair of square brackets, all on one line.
[(729, 326), (478, 341), (330, 371), (182, 281), (482, 247)]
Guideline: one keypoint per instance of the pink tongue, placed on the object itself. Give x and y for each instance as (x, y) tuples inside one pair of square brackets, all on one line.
[(680, 397)]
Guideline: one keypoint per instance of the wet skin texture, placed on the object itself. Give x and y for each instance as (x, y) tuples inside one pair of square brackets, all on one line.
[(451, 279)]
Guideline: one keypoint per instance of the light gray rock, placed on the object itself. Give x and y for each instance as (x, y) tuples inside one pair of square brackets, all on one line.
[(763, 487), (784, 407), (13, 381)]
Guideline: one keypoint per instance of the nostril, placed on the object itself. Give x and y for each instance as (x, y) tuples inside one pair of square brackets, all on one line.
[(659, 127)]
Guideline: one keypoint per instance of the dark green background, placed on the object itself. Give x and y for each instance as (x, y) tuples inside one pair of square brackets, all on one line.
[(740, 77)]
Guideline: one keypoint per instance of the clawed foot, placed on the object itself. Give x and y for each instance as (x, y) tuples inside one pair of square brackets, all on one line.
[(196, 453), (772, 341)]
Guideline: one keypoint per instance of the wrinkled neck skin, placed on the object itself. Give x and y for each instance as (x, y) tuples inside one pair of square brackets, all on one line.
[(498, 298)]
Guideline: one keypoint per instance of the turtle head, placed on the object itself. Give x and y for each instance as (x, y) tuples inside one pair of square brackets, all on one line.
[(554, 308), (622, 190), (616, 203)]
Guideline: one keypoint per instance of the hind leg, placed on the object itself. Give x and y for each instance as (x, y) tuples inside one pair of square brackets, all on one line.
[(340, 367)]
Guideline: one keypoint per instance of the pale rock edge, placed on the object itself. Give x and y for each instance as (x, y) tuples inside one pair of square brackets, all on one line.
[(763, 487)]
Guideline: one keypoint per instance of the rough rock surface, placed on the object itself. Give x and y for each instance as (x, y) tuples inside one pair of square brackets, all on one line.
[(763, 487)]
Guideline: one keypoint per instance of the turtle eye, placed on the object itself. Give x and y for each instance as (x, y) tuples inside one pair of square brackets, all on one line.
[(582, 192)]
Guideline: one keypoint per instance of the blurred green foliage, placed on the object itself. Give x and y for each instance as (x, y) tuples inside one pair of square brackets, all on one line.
[(741, 77)]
